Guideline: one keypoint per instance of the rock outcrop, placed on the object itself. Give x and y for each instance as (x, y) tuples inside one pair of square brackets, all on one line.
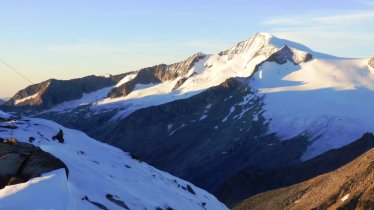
[(287, 54), (20, 162), (157, 74), (52, 92), (371, 62)]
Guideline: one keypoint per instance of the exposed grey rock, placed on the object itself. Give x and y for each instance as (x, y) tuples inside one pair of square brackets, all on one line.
[(52, 92), (287, 54), (59, 136), (157, 74), (97, 204), (182, 81), (9, 164), (20, 162), (116, 201)]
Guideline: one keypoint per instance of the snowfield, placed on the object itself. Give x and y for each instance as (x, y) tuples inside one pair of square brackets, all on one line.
[(331, 100), (97, 173)]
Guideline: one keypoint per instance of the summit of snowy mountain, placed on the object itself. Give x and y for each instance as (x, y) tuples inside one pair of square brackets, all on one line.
[(266, 44)]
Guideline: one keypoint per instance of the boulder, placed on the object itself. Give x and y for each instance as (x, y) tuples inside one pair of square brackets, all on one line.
[(20, 162)]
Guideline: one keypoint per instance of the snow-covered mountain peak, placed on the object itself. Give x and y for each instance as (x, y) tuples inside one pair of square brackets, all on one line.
[(264, 44), (253, 46)]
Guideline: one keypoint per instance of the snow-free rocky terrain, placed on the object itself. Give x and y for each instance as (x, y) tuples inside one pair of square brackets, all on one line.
[(77, 172), (262, 105), (349, 187)]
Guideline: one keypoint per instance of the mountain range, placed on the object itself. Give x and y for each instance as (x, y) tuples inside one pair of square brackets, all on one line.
[(264, 114)]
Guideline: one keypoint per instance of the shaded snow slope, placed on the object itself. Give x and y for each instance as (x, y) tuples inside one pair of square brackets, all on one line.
[(4, 115), (99, 175), (331, 100)]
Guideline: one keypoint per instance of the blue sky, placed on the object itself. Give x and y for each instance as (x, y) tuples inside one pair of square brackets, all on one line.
[(72, 38)]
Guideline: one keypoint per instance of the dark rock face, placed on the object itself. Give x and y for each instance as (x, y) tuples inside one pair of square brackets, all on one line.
[(157, 74), (371, 62), (182, 81), (286, 54), (59, 136), (253, 179), (20, 162), (97, 204), (52, 92), (349, 187), (116, 201)]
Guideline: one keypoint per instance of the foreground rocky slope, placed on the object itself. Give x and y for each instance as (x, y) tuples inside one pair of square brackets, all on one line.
[(87, 174), (349, 187)]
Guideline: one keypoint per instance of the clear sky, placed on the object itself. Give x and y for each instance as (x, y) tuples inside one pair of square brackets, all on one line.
[(72, 38)]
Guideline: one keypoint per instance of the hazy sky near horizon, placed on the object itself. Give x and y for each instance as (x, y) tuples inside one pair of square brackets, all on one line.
[(72, 38)]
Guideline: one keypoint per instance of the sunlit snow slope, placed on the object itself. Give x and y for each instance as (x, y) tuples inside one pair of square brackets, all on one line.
[(330, 99), (99, 175)]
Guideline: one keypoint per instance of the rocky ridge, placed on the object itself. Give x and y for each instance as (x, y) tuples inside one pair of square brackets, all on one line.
[(157, 74)]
